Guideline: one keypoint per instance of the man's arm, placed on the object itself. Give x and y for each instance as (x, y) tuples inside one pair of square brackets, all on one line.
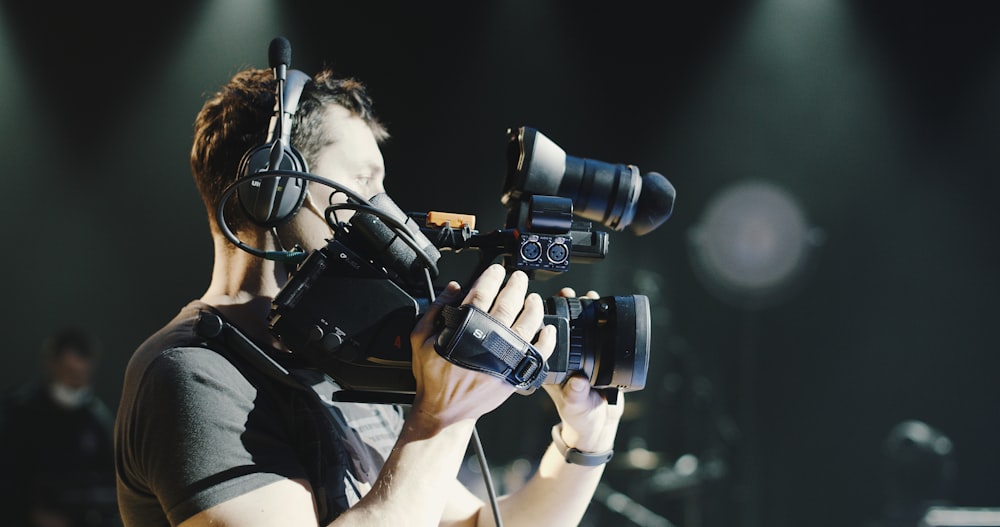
[(411, 489), (559, 492), (284, 502)]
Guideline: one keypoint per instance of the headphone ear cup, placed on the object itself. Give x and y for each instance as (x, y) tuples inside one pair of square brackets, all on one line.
[(271, 201)]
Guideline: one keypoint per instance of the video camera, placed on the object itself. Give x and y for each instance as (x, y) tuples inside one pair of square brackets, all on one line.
[(381, 265)]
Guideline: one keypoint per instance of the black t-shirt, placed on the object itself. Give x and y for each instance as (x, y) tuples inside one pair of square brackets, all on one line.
[(197, 426)]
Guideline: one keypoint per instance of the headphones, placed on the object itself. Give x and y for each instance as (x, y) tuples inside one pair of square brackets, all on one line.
[(270, 201)]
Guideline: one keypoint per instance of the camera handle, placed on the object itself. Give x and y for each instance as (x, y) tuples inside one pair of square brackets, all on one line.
[(471, 338)]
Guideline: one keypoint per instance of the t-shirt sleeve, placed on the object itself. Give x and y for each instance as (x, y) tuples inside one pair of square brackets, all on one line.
[(212, 436)]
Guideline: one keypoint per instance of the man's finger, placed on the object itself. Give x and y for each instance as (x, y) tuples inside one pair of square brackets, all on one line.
[(530, 319), (485, 288), (510, 300)]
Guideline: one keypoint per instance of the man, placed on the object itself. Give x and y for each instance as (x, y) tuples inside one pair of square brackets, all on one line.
[(204, 439), (56, 444)]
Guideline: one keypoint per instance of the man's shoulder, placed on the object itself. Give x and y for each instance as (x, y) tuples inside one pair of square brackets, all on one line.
[(176, 369), (180, 331), (176, 347)]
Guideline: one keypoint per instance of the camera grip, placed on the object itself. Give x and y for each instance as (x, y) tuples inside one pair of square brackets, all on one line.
[(473, 339)]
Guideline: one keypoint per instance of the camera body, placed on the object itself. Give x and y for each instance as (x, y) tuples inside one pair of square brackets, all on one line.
[(381, 265), (364, 343)]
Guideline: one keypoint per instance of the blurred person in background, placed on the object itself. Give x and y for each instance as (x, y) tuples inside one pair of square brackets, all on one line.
[(56, 444)]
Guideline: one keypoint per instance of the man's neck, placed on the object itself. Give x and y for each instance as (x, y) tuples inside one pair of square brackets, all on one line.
[(243, 286)]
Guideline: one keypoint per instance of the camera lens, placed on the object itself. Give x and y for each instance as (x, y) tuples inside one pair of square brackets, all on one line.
[(607, 340)]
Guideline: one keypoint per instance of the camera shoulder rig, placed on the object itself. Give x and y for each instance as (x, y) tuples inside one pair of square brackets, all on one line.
[(473, 339)]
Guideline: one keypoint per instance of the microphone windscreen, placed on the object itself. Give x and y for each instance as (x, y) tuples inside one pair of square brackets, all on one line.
[(655, 204), (279, 52)]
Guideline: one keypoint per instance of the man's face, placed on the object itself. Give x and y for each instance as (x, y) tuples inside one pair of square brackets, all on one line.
[(352, 158)]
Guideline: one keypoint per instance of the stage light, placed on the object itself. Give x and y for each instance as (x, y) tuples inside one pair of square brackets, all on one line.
[(752, 244)]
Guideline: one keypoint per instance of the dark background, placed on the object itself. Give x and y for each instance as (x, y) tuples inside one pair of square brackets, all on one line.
[(879, 119)]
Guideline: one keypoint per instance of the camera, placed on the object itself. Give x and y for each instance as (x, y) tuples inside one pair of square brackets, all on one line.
[(382, 263)]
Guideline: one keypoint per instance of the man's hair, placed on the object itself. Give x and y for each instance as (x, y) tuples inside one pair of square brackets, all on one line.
[(235, 119)]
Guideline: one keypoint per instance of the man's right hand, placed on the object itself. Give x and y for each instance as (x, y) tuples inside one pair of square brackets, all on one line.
[(447, 393)]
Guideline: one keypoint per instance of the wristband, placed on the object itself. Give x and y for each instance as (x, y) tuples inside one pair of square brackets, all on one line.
[(578, 457)]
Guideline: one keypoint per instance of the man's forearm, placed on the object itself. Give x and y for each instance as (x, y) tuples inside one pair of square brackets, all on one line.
[(408, 490), (558, 494)]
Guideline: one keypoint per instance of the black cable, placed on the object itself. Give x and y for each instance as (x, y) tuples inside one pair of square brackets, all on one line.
[(430, 284), (487, 478)]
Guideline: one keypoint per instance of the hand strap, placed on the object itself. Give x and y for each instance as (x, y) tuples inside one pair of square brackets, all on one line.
[(578, 457), (473, 339)]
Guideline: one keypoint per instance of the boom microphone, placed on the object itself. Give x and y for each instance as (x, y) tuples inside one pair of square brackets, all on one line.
[(279, 56)]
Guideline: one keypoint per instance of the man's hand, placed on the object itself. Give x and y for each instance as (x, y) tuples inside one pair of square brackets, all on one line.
[(589, 422), (447, 393)]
